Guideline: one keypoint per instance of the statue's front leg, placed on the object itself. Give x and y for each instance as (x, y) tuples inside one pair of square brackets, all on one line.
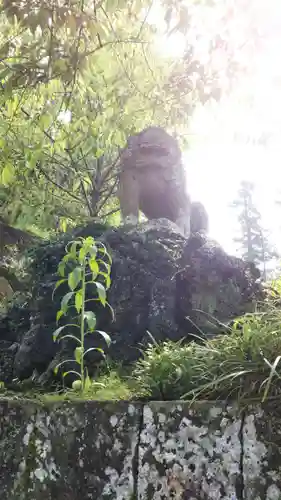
[(184, 217), (129, 196)]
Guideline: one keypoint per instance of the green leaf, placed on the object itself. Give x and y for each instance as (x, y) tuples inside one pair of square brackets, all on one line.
[(69, 336), (106, 265), (45, 120), (8, 174), (93, 250), (61, 269), (90, 317), (57, 331), (67, 257), (94, 349), (99, 153), (58, 283), (88, 383), (105, 336), (107, 279), (60, 313), (71, 371), (63, 225), (271, 375), (78, 353), (78, 300), (65, 300), (103, 251), (73, 250), (81, 255), (111, 310), (74, 278), (101, 292), (94, 267), (63, 362)]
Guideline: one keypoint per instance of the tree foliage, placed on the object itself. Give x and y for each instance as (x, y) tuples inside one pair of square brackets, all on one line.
[(253, 241), (76, 78)]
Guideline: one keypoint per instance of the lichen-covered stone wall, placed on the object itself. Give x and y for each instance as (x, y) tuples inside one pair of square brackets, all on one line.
[(135, 451)]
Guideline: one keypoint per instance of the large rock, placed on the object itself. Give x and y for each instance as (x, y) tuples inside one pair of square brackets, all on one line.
[(159, 281)]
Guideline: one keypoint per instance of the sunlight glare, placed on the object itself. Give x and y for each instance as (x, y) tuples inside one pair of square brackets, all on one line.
[(238, 138)]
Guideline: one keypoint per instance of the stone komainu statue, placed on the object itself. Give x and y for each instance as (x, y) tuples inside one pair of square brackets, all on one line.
[(152, 179)]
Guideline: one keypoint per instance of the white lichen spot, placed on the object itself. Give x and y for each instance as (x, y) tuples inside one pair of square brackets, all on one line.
[(40, 474), (254, 451), (29, 431), (161, 436), (131, 410), (147, 415), (273, 493), (113, 420), (161, 418), (274, 474), (22, 466)]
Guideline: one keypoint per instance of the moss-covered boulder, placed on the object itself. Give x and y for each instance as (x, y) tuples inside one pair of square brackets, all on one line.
[(159, 282)]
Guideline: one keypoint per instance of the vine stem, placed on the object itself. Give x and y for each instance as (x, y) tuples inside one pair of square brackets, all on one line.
[(82, 325)]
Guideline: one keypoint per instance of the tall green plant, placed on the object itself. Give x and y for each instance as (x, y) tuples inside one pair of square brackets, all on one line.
[(90, 264)]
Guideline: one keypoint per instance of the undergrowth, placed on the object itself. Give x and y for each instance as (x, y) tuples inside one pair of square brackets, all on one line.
[(244, 365), (241, 365), (108, 387)]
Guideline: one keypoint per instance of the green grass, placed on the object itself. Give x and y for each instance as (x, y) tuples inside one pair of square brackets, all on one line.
[(242, 365)]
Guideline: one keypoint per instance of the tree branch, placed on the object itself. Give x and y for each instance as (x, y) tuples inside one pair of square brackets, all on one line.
[(56, 184)]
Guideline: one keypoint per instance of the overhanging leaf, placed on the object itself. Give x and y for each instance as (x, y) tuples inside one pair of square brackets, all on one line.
[(71, 371), (94, 349), (58, 331), (94, 267), (81, 255), (8, 174), (78, 300), (90, 317), (61, 269), (69, 336), (105, 336), (101, 292), (74, 278), (78, 354), (60, 313), (65, 301), (58, 283)]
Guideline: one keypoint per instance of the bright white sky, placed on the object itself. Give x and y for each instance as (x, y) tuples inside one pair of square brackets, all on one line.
[(222, 152)]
